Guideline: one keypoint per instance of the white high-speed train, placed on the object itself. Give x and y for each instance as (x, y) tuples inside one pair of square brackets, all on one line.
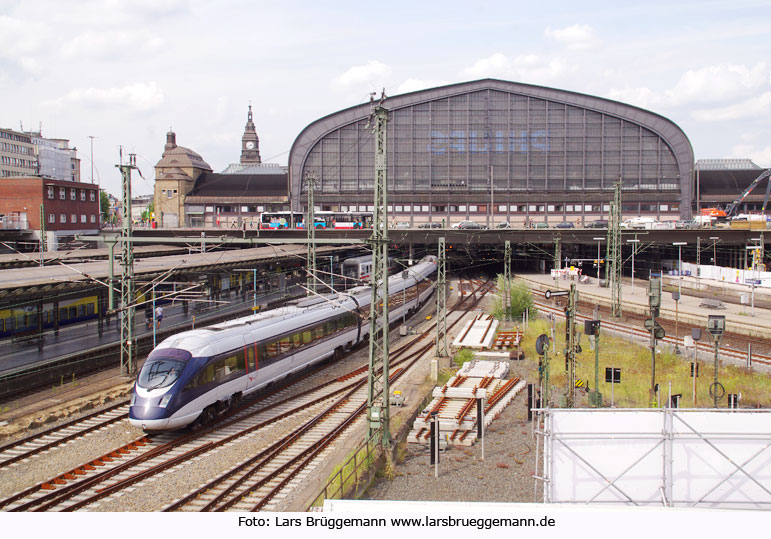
[(197, 374)]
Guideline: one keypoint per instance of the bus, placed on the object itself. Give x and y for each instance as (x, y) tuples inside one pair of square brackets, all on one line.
[(345, 219), (280, 219), (324, 219)]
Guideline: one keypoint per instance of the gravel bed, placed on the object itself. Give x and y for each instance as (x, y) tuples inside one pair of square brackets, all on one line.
[(505, 475), (62, 458)]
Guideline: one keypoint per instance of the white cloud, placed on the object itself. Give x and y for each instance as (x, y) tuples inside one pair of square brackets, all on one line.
[(22, 41), (719, 82), (527, 68), (373, 72), (760, 156), (141, 96), (710, 84), (109, 44), (412, 85), (749, 108), (576, 37)]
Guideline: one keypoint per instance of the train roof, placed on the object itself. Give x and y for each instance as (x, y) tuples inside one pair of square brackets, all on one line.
[(205, 341), (358, 259)]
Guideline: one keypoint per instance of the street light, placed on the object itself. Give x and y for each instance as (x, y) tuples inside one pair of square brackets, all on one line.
[(679, 245), (679, 283), (598, 240), (714, 249), (634, 243)]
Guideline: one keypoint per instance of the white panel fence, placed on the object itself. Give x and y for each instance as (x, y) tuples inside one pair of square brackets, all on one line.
[(657, 457)]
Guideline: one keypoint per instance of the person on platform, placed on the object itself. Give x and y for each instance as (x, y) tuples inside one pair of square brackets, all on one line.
[(159, 314)]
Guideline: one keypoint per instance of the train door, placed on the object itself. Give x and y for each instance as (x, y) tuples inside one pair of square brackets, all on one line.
[(251, 358)]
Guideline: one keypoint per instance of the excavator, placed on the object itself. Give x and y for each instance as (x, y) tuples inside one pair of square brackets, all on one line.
[(730, 210)]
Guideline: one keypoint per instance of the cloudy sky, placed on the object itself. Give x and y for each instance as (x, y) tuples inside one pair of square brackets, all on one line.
[(125, 71)]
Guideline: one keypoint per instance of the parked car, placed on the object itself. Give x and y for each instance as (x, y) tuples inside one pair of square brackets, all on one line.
[(688, 224), (467, 225), (402, 226), (646, 223), (430, 225), (598, 223), (565, 224), (541, 224), (504, 224)]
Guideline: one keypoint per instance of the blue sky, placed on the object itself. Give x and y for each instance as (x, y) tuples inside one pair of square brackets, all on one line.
[(125, 71)]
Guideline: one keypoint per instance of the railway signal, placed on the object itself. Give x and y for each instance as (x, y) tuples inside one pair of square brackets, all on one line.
[(716, 328), (553, 294)]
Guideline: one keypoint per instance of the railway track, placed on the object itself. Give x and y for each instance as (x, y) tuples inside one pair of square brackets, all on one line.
[(641, 333), (249, 483), (40, 442)]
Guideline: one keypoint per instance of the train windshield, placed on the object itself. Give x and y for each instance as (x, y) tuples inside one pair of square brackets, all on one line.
[(159, 372)]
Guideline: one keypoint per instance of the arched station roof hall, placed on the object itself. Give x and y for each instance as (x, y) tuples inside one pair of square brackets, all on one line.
[(550, 155)]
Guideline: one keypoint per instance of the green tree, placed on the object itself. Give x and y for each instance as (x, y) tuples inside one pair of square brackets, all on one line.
[(104, 205), (521, 299)]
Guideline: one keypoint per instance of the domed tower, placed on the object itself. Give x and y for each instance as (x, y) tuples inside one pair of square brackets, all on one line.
[(250, 143), (175, 176)]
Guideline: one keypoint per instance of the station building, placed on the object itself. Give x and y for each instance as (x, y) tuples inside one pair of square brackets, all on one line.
[(493, 151)]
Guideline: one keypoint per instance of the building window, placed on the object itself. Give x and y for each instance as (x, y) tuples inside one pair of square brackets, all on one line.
[(93, 218), (51, 217), (73, 196), (92, 195), (63, 218), (73, 218), (50, 192), (62, 193), (169, 194), (82, 218), (83, 195)]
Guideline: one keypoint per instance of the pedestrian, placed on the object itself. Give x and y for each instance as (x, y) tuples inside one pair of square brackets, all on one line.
[(159, 314)]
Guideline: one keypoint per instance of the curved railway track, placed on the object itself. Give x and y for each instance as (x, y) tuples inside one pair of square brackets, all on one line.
[(244, 484), (40, 442)]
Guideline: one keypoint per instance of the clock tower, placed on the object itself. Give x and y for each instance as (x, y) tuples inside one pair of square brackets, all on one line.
[(250, 143)]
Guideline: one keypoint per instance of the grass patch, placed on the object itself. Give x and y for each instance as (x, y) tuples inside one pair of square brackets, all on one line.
[(464, 355), (634, 360)]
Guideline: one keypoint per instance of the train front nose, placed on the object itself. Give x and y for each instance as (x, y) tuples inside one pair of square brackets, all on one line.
[(147, 417)]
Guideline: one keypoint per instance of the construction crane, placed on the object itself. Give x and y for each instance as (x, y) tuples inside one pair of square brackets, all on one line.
[(730, 210)]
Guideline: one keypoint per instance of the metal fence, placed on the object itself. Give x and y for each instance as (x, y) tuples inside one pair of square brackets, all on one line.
[(659, 457), (352, 477)]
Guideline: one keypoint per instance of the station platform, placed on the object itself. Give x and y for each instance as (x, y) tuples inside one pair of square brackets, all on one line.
[(690, 309), (82, 337)]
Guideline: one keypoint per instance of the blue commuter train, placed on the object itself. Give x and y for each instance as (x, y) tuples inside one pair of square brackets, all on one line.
[(195, 375)]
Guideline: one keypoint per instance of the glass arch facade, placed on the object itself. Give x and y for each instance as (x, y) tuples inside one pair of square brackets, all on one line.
[(545, 157)]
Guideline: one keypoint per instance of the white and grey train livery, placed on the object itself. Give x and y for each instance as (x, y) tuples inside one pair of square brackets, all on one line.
[(197, 374)]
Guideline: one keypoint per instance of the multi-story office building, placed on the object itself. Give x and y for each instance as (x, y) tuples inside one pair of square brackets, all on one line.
[(17, 154)]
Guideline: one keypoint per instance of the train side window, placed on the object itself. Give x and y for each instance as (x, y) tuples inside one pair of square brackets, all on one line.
[(73, 312), (89, 308), (2, 324), (286, 344), (297, 340), (20, 322), (81, 311), (307, 336), (330, 328)]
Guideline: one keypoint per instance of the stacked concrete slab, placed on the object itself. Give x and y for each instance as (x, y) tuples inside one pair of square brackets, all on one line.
[(455, 402)]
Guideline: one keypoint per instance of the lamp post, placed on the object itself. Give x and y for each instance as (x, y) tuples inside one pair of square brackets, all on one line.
[(714, 249), (679, 283), (598, 240), (679, 245), (634, 243)]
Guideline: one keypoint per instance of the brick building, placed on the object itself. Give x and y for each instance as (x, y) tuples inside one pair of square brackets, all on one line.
[(69, 207)]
